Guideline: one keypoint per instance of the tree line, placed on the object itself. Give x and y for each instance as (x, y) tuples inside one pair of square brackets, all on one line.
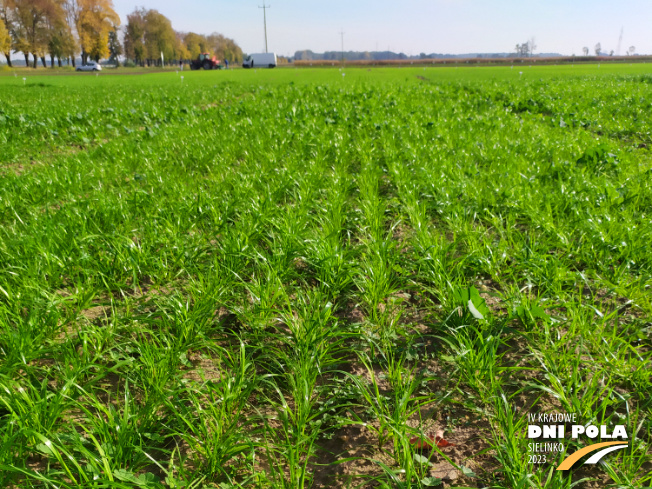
[(58, 28), (526, 49), (65, 29), (598, 51), (149, 34)]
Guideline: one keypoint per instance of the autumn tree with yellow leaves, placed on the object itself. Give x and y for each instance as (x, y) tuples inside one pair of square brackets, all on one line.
[(31, 29), (94, 20), (64, 28), (60, 28), (5, 41), (5, 20)]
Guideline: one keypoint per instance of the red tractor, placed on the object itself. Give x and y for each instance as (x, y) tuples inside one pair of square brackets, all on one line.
[(205, 61)]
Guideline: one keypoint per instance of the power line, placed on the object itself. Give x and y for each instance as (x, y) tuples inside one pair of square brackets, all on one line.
[(342, 34), (265, 7)]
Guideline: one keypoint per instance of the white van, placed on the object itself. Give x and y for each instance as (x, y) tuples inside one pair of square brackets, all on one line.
[(260, 60)]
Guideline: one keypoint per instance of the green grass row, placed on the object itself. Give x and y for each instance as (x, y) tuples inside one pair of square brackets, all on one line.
[(262, 278)]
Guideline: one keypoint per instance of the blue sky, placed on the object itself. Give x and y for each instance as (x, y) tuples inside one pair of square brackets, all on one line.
[(414, 26)]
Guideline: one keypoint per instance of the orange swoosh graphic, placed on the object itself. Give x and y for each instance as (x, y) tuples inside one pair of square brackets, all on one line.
[(569, 461)]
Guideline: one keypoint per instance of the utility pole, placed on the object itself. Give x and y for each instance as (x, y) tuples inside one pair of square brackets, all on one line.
[(342, 34), (265, 7)]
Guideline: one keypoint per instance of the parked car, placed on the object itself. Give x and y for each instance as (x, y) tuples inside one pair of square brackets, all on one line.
[(89, 66)]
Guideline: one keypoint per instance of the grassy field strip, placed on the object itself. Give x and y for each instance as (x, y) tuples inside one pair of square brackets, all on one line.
[(263, 279)]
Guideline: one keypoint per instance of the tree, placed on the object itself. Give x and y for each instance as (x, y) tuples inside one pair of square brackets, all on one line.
[(6, 20), (526, 49), (160, 38), (5, 41), (72, 11), (522, 50), (585, 50), (96, 20), (598, 49), (115, 48), (134, 42), (149, 33), (61, 42), (531, 46), (180, 51), (224, 48), (32, 27), (196, 44)]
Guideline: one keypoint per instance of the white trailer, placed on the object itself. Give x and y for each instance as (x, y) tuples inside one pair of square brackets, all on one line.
[(260, 60)]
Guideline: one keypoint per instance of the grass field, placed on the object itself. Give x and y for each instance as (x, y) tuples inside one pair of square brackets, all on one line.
[(292, 278)]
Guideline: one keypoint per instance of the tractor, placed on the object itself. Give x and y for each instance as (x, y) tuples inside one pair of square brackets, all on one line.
[(205, 61)]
